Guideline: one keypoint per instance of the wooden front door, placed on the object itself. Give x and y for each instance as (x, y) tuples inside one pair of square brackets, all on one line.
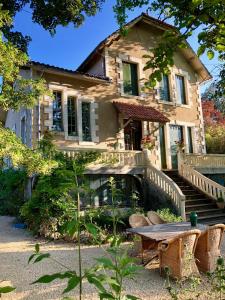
[(133, 135)]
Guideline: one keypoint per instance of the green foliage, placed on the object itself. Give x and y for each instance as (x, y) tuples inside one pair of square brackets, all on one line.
[(168, 216), (220, 199), (6, 289), (12, 184), (206, 16), (215, 139), (110, 271), (51, 204), (12, 148), (15, 91)]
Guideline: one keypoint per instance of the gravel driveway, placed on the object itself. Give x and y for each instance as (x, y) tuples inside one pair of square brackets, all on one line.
[(16, 245)]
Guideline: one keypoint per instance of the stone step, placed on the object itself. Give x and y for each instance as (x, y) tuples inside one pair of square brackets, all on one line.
[(213, 216), (206, 212), (197, 201), (213, 221), (196, 197), (194, 207)]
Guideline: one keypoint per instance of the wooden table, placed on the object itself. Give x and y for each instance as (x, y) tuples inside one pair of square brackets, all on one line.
[(153, 234)]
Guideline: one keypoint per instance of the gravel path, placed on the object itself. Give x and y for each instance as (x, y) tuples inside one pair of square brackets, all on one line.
[(16, 245)]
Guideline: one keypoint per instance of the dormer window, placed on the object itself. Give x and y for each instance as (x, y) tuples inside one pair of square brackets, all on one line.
[(130, 79)]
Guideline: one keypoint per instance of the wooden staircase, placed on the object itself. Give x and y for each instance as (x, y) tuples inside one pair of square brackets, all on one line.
[(196, 200)]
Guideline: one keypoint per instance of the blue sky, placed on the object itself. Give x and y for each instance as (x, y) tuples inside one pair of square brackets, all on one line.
[(70, 46)]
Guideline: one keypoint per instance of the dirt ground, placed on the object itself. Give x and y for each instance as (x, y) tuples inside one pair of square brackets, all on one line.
[(16, 245)]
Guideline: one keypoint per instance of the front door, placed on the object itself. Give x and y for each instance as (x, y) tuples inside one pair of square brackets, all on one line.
[(176, 136), (133, 135)]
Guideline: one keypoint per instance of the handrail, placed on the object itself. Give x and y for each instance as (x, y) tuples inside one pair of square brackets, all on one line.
[(206, 185), (116, 158), (205, 160), (169, 187)]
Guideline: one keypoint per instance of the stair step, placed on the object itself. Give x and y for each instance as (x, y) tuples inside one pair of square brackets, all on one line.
[(197, 201), (196, 197), (205, 212), (214, 216), (199, 206), (213, 222)]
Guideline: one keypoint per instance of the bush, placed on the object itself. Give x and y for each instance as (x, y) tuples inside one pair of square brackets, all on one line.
[(215, 139), (168, 216), (12, 185), (51, 205)]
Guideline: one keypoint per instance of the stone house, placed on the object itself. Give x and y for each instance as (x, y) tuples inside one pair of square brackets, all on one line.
[(102, 105)]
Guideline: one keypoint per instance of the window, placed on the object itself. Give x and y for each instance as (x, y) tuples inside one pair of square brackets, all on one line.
[(86, 121), (165, 89), (72, 116), (130, 79), (23, 130), (57, 111), (181, 95), (190, 142)]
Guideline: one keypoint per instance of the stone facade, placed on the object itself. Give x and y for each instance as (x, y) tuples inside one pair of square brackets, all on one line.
[(106, 124)]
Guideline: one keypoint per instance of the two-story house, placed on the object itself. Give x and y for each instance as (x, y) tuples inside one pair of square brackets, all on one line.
[(103, 106)]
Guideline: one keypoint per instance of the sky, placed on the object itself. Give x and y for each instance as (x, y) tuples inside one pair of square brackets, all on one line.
[(70, 46)]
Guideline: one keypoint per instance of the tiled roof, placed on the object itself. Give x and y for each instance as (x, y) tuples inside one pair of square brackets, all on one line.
[(140, 112), (47, 66)]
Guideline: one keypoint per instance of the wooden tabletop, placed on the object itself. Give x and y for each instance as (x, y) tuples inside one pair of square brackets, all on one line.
[(166, 231)]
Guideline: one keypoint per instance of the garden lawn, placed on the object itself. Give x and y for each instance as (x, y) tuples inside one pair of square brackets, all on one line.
[(16, 245)]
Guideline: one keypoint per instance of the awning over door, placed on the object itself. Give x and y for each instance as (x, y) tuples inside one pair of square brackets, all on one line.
[(140, 112)]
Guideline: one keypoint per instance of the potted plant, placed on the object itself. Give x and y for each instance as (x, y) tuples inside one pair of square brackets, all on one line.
[(220, 203), (147, 143)]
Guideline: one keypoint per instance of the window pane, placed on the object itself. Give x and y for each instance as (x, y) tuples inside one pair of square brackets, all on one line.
[(23, 130), (190, 142), (130, 79), (165, 90), (181, 97), (86, 122), (57, 111), (72, 116)]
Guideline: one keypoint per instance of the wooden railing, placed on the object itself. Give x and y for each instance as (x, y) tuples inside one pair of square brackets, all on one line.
[(202, 182), (115, 158), (166, 184), (205, 160)]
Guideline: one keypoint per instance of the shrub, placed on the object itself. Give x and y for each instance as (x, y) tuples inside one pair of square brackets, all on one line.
[(12, 184), (51, 205), (168, 216)]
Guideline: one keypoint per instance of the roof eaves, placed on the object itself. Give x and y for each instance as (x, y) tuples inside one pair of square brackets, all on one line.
[(67, 71)]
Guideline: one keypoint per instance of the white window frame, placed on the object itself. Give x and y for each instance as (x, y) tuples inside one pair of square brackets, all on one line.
[(140, 75)]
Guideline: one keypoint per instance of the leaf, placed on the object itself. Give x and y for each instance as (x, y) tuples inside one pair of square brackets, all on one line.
[(97, 282), (92, 229), (6, 289), (131, 297), (50, 278), (41, 257), (106, 262), (72, 227), (72, 283), (31, 257), (37, 248), (106, 296), (210, 54)]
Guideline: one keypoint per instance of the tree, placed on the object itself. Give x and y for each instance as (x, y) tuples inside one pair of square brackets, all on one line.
[(215, 94), (187, 15)]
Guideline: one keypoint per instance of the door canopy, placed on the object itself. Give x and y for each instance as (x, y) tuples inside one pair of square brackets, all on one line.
[(140, 112)]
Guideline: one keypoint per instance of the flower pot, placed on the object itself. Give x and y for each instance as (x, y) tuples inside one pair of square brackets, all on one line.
[(220, 205)]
